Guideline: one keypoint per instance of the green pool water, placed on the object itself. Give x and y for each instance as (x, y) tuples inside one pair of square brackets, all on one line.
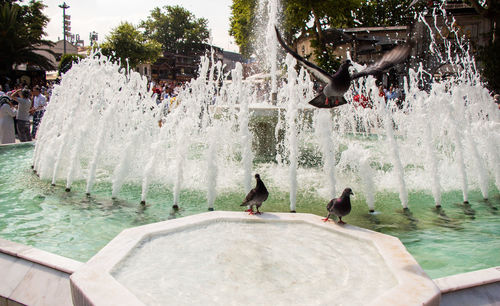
[(457, 238)]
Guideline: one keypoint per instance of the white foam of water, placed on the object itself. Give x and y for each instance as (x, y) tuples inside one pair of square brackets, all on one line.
[(291, 128)]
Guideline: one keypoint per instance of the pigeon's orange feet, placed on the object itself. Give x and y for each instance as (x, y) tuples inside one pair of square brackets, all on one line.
[(250, 212), (258, 213), (341, 222), (325, 219)]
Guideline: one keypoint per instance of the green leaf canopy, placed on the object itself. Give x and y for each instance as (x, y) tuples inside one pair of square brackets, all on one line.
[(176, 29), (127, 42)]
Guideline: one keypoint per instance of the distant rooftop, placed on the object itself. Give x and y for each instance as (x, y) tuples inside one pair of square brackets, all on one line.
[(233, 56)]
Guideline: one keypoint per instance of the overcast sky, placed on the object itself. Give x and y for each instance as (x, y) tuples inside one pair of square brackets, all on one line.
[(103, 15)]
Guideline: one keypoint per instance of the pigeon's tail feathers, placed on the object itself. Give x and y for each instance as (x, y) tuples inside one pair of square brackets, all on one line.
[(244, 204), (388, 60), (321, 101), (316, 71)]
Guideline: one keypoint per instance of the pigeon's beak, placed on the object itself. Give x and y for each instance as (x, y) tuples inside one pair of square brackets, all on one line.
[(351, 193)]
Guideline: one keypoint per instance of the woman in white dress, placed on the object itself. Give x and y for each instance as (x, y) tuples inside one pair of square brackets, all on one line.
[(7, 114)]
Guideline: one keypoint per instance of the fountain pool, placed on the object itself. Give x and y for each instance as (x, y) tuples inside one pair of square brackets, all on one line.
[(454, 239)]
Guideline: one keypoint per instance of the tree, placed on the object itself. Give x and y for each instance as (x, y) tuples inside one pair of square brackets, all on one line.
[(21, 36), (384, 13), (313, 17), (176, 29), (127, 42), (242, 23), (67, 61)]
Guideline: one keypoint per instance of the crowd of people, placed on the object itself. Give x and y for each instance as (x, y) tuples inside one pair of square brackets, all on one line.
[(391, 93), (165, 94), (21, 111), (165, 90)]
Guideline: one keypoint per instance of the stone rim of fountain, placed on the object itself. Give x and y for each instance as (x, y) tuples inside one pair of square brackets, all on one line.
[(93, 284)]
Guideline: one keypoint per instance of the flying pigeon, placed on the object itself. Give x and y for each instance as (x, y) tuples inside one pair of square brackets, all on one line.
[(336, 86), (256, 196), (340, 207)]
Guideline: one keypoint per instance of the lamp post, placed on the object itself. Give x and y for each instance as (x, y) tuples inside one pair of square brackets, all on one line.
[(66, 21)]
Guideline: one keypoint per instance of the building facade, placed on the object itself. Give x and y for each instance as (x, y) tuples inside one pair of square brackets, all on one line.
[(177, 67)]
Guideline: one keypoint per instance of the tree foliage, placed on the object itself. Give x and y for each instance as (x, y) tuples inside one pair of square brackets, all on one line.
[(242, 23), (67, 61), (21, 35), (384, 13), (304, 16), (127, 42), (176, 29), (312, 17)]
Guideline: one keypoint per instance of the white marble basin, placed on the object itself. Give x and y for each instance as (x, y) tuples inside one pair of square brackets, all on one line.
[(221, 258)]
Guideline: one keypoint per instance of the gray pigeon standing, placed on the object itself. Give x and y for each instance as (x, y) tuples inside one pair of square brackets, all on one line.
[(336, 86), (256, 196), (340, 207)]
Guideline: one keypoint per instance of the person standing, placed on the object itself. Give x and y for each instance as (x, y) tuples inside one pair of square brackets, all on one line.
[(22, 96), (7, 114), (39, 103)]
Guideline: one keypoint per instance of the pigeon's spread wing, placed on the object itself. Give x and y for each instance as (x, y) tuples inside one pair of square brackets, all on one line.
[(391, 58), (249, 197), (318, 73)]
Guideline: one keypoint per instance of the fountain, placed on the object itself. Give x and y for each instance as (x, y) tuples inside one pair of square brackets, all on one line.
[(101, 148), (110, 135)]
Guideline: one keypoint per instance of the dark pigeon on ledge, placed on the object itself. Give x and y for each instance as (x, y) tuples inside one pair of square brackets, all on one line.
[(340, 207), (336, 86), (256, 196)]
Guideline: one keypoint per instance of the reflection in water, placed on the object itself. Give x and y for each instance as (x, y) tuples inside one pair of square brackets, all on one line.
[(441, 213), (412, 221), (468, 210), (491, 208), (373, 218), (444, 220), (175, 212)]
